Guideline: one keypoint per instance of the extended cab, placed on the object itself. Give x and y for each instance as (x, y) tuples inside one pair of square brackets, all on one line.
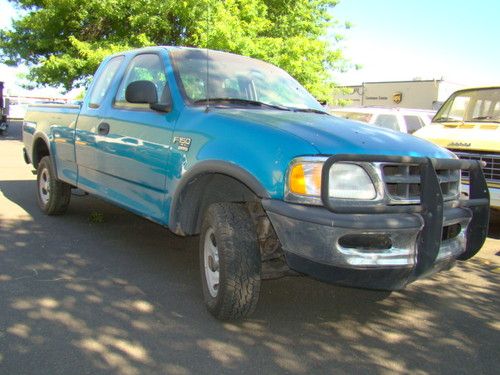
[(237, 151)]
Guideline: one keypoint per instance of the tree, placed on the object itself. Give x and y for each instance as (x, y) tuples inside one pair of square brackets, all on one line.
[(63, 41)]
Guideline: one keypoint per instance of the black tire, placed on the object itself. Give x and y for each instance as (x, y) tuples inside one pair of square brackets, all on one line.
[(53, 195), (230, 229)]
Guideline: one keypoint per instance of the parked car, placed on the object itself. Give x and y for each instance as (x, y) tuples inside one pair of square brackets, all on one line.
[(4, 125), (3, 117), (468, 124), (248, 160), (400, 119)]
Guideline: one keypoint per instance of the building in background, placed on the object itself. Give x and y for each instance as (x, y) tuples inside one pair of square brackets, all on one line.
[(423, 94)]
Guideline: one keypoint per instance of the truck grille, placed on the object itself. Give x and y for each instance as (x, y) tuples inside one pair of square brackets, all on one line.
[(492, 169), (402, 183)]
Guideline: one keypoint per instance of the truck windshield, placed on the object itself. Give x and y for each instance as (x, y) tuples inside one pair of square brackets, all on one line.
[(480, 105), (237, 77)]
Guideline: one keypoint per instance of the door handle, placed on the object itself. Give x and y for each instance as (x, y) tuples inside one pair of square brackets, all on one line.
[(103, 128)]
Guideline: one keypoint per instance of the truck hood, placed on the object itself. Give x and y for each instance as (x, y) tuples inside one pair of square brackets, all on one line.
[(463, 136), (332, 135)]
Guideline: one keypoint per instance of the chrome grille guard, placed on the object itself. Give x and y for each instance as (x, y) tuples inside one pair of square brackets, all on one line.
[(431, 204)]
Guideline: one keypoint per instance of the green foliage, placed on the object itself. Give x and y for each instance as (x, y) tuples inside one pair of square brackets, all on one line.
[(96, 217), (80, 95), (63, 41)]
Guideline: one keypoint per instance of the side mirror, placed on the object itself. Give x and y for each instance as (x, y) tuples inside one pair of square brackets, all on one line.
[(144, 92), (141, 92)]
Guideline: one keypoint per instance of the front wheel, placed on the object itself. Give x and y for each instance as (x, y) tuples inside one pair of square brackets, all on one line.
[(53, 195), (230, 261)]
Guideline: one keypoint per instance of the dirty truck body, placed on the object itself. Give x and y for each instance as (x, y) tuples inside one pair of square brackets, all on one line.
[(272, 184)]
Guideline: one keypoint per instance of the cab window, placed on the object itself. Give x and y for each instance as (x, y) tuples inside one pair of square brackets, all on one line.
[(413, 123), (496, 111), (457, 111), (387, 121), (194, 85), (471, 105), (103, 81), (144, 67)]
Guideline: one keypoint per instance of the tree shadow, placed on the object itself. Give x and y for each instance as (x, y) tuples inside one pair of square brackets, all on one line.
[(123, 296), (494, 228)]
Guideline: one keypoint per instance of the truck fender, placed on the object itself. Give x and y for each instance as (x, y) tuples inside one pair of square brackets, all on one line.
[(40, 139), (189, 202)]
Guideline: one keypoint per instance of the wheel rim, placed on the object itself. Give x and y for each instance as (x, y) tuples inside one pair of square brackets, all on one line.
[(211, 262), (44, 186)]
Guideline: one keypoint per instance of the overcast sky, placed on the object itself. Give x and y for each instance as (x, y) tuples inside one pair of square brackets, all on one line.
[(398, 40)]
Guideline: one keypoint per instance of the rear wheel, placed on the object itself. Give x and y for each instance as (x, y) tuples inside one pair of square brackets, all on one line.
[(53, 195), (230, 261)]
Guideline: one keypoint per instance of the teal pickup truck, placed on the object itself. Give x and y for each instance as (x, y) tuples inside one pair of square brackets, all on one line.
[(235, 150)]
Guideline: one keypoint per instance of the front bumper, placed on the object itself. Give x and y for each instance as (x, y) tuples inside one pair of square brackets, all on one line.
[(311, 238), (384, 247)]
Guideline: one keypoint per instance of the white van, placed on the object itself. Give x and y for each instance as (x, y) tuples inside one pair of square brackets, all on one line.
[(400, 119)]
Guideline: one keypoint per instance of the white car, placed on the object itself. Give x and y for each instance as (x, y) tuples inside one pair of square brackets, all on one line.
[(400, 119)]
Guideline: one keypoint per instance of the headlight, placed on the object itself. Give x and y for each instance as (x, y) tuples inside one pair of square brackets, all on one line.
[(347, 181), (350, 181)]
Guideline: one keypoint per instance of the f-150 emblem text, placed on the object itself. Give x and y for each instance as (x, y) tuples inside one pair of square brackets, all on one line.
[(183, 143)]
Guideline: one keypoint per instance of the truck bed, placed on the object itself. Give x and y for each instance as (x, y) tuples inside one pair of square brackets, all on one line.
[(57, 123)]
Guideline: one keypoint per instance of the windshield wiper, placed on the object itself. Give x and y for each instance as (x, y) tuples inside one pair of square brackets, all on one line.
[(490, 118), (240, 101), (447, 119), (309, 110)]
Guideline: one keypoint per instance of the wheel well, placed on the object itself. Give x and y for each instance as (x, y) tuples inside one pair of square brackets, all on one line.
[(40, 149), (201, 192)]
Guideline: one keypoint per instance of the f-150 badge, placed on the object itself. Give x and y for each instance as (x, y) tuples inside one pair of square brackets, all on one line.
[(183, 143)]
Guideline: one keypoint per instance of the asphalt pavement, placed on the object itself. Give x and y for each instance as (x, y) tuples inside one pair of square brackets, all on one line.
[(103, 291)]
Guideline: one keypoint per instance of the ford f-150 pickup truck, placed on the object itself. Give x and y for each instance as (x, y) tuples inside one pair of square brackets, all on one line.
[(235, 150)]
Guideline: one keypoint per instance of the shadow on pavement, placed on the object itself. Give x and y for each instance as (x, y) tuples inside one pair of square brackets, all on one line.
[(494, 228), (123, 296)]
